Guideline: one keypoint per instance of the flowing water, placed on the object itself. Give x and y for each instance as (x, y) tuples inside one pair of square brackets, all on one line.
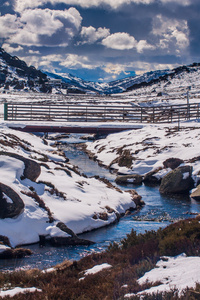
[(158, 212)]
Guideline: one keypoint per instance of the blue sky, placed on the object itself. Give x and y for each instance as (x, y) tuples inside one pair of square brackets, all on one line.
[(101, 40)]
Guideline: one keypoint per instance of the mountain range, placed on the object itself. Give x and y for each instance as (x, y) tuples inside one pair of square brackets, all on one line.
[(16, 75)]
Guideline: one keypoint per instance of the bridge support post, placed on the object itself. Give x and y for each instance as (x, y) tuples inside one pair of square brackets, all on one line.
[(5, 111)]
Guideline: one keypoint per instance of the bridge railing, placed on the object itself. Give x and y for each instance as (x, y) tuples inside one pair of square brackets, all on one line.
[(99, 113)]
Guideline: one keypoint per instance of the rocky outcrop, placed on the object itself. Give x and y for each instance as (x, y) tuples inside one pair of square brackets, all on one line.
[(196, 193), (126, 179), (10, 210), (72, 240), (32, 169), (178, 180), (172, 163)]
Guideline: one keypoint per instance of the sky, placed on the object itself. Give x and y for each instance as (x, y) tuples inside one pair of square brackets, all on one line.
[(101, 40)]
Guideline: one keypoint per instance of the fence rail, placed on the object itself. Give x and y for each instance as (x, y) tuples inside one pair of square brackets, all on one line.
[(100, 113)]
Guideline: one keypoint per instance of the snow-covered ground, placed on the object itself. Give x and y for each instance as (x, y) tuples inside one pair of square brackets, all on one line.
[(85, 198), (177, 273), (73, 199), (17, 290), (150, 146)]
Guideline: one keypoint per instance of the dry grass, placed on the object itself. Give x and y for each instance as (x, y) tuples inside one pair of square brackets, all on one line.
[(136, 254)]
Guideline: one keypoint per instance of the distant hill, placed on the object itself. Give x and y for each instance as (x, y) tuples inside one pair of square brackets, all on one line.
[(16, 75)]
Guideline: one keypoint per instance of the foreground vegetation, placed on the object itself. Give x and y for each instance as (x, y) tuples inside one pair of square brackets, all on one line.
[(136, 254)]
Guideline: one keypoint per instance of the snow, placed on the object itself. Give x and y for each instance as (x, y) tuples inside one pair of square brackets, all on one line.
[(178, 272), (97, 269), (164, 141), (18, 290), (3, 248), (82, 197)]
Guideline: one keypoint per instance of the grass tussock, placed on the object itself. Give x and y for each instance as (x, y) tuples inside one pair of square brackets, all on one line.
[(137, 254)]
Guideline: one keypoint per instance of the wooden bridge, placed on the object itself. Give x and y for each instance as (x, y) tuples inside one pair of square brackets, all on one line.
[(65, 113)]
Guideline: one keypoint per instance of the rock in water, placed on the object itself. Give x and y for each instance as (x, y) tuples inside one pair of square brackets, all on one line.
[(126, 179), (178, 180), (196, 193)]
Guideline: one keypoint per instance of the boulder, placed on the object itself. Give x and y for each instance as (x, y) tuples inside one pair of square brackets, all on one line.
[(126, 179), (8, 253), (196, 193), (178, 180), (172, 163), (72, 240), (10, 210), (150, 178), (32, 169)]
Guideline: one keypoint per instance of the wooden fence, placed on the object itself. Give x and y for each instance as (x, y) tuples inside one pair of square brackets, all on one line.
[(99, 113)]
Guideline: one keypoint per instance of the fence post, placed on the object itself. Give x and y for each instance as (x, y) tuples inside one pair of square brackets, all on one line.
[(5, 111), (86, 113), (178, 120), (141, 115), (171, 114), (153, 114)]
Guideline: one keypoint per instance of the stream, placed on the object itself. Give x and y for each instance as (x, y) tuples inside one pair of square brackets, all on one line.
[(158, 212)]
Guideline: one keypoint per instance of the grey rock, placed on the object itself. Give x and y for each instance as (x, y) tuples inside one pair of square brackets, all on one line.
[(178, 180), (196, 194), (126, 179), (10, 210)]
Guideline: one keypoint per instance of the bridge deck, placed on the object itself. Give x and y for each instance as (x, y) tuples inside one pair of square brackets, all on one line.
[(97, 128)]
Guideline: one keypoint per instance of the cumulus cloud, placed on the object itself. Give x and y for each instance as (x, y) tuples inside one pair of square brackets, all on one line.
[(33, 51), (74, 61), (21, 5), (124, 41), (171, 32), (143, 45), (120, 41), (8, 25), (115, 69), (41, 27), (90, 34), (11, 49)]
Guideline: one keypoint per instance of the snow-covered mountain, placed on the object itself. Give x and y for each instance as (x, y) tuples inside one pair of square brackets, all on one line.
[(16, 75)]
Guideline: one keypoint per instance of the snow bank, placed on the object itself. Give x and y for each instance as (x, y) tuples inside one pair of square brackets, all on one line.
[(18, 290), (71, 198), (97, 269), (178, 272), (149, 146)]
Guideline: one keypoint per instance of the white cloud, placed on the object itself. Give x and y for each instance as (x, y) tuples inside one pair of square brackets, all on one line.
[(120, 41), (124, 41), (21, 5), (74, 61), (143, 45), (90, 34), (34, 52), (41, 27), (115, 69), (180, 2), (8, 25), (8, 48), (171, 32)]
